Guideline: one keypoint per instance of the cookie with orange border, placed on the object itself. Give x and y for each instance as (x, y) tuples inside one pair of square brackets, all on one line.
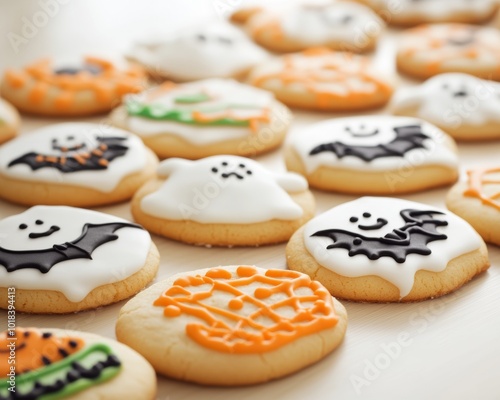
[(324, 80), (428, 50), (94, 87), (234, 325), (9, 121)]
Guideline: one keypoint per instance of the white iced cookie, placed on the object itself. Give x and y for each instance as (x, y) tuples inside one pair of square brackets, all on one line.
[(64, 259), (381, 249), (373, 155), (205, 118), (224, 201), (77, 164), (213, 50), (9, 121)]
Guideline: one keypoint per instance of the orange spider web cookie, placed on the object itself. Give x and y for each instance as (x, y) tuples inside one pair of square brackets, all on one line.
[(485, 185)]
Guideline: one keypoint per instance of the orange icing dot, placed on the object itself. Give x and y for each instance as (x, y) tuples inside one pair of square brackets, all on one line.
[(15, 79), (477, 180)]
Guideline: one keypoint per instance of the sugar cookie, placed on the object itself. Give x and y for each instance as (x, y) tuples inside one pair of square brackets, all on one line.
[(92, 88), (381, 249), (63, 259), (428, 50), (223, 201), (235, 325), (373, 155), (9, 121), (205, 118), (77, 164), (57, 364), (320, 79), (248, 8)]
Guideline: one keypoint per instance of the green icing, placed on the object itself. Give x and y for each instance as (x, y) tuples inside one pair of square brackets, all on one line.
[(192, 98)]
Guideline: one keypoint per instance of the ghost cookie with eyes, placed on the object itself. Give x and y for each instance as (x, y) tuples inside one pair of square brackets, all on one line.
[(205, 118), (373, 155), (63, 259), (223, 201), (76, 164), (428, 50), (9, 121), (464, 106), (381, 249)]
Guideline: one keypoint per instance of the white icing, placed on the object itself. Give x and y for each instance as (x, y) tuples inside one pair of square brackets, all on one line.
[(40, 142), (6, 115), (334, 130), (461, 239), (452, 99), (192, 191), (216, 49), (111, 262)]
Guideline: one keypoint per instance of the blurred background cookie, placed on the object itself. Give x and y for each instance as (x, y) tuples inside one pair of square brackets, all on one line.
[(9, 121)]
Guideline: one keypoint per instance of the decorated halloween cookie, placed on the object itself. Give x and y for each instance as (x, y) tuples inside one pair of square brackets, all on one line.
[(63, 364), (94, 87), (428, 50), (63, 259), (9, 121), (212, 50), (223, 201), (77, 164), (235, 325), (205, 118), (373, 155), (380, 249), (321, 79)]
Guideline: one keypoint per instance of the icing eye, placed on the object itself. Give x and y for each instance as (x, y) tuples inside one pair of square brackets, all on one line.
[(26, 333), (201, 38), (353, 219), (249, 172), (54, 140), (347, 19), (46, 335), (242, 165), (39, 222), (224, 164), (445, 86), (367, 215), (347, 128), (70, 138), (72, 344), (23, 226), (214, 170)]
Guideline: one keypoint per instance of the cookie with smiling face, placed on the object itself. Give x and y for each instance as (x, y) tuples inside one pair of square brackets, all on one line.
[(223, 201), (373, 155), (9, 121), (64, 259), (388, 250)]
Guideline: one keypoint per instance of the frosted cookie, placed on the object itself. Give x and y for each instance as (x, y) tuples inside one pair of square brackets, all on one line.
[(320, 79), (477, 200), (248, 8), (76, 164), (429, 50), (63, 364), (464, 106), (373, 155), (9, 121), (213, 50), (94, 87), (63, 259), (223, 201), (235, 325), (205, 118), (413, 12), (381, 249)]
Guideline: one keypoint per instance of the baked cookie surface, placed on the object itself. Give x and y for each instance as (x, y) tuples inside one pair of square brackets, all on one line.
[(9, 121)]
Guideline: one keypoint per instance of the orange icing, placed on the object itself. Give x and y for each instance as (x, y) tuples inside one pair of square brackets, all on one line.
[(477, 179), (224, 329), (33, 350)]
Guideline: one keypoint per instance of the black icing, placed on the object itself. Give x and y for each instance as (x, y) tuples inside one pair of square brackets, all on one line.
[(226, 171)]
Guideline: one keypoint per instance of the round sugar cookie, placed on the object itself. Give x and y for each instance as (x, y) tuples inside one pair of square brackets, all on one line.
[(235, 325), (464, 106), (205, 118), (95, 86), (9, 121), (428, 50), (63, 259), (323, 80), (477, 200), (381, 249), (58, 363), (223, 201), (242, 13), (76, 164), (373, 155)]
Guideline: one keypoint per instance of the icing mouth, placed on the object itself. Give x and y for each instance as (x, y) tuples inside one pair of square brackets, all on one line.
[(64, 149), (227, 175), (460, 93), (381, 222), (50, 231)]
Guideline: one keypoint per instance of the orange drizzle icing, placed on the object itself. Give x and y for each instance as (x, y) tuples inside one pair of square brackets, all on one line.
[(81, 157), (477, 179), (224, 329), (35, 349)]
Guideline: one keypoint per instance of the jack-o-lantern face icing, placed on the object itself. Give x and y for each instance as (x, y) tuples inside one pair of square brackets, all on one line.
[(484, 184)]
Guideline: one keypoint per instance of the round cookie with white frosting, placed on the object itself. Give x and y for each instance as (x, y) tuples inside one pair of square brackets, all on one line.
[(373, 155), (428, 50), (205, 118), (212, 50), (464, 106), (234, 325), (379, 249), (9, 121), (323, 80), (76, 164), (63, 259), (223, 201)]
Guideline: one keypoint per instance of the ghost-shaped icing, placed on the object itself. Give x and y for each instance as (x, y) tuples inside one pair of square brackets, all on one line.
[(216, 49), (388, 237), (223, 189)]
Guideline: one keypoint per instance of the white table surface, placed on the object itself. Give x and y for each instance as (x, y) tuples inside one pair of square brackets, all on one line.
[(450, 347)]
